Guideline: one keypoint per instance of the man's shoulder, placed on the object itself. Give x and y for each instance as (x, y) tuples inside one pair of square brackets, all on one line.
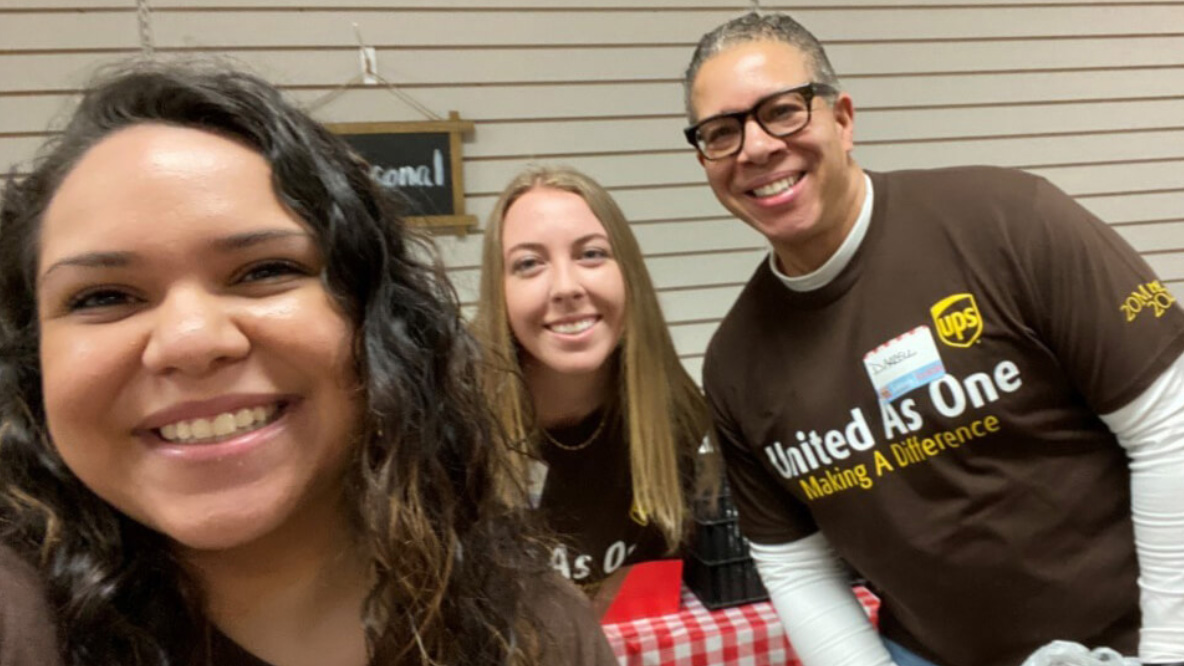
[(27, 634), (959, 183)]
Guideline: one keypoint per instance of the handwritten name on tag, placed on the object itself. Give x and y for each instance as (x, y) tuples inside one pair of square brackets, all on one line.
[(904, 363)]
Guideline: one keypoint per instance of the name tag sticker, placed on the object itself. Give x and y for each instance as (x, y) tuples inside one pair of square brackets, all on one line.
[(904, 363)]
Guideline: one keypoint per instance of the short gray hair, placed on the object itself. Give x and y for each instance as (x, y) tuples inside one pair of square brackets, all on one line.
[(754, 27)]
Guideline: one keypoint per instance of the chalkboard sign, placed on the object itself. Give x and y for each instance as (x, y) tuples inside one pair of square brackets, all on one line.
[(421, 162)]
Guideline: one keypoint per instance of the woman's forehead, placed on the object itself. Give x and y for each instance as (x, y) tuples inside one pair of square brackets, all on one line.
[(149, 181)]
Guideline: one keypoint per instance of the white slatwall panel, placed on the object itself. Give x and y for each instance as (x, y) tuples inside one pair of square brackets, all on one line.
[(1087, 93)]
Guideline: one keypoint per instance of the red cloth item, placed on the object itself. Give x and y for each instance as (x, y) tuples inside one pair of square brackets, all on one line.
[(749, 635), (650, 589)]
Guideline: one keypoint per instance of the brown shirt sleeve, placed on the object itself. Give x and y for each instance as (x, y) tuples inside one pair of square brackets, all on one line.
[(27, 636), (572, 634), (1098, 305)]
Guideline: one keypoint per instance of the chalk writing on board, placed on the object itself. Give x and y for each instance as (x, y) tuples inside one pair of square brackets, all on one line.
[(411, 175)]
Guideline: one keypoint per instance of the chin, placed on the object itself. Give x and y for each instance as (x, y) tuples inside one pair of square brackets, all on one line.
[(219, 528), (221, 534), (582, 367)]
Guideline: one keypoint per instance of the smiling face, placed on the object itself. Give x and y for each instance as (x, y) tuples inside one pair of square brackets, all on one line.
[(802, 192), (196, 373), (565, 295)]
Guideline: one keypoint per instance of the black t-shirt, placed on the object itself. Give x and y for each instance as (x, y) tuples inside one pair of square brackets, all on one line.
[(587, 501)]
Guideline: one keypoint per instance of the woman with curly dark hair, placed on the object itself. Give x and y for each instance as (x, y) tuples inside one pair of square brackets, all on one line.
[(240, 419)]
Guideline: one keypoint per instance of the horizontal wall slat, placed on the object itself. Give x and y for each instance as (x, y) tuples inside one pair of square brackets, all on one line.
[(61, 71), (1136, 207), (705, 303), (513, 27), (1154, 235), (692, 338), (1092, 179), (1034, 151), (1169, 265), (69, 30), (40, 72)]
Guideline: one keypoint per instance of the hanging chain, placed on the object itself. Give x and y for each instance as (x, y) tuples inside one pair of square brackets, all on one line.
[(144, 15)]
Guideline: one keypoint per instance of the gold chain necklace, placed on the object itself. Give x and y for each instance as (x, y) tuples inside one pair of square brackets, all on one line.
[(584, 444)]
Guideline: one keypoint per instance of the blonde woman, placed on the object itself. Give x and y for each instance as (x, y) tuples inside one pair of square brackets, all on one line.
[(586, 374)]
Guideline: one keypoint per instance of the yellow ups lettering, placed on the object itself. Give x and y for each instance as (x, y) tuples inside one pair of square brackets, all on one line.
[(958, 320)]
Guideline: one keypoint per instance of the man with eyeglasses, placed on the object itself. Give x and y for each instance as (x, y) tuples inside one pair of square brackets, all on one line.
[(959, 381)]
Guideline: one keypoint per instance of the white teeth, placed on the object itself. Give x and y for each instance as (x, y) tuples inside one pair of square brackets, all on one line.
[(573, 327), (201, 428), (224, 425), (219, 427), (775, 187)]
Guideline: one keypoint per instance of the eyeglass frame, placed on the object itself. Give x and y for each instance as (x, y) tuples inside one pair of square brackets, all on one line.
[(809, 91)]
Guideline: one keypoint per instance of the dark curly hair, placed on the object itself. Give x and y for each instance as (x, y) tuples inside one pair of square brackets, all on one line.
[(449, 556)]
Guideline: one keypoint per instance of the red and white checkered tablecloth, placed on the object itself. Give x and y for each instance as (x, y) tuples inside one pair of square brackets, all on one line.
[(747, 635)]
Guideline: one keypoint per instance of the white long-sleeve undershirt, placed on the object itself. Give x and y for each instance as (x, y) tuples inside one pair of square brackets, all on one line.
[(824, 620), (1151, 429)]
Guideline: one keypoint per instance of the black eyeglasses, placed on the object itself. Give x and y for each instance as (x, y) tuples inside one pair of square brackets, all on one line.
[(780, 114)]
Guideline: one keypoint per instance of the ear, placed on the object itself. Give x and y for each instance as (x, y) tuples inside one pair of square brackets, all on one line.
[(702, 160), (844, 113)]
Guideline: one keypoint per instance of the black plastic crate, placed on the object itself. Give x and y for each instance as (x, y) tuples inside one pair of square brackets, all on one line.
[(718, 567), (724, 584), (717, 541)]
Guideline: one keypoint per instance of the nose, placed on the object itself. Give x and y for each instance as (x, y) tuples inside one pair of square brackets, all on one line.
[(566, 283), (194, 333), (758, 145)]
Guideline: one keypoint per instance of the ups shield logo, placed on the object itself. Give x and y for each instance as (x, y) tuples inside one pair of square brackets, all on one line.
[(958, 321)]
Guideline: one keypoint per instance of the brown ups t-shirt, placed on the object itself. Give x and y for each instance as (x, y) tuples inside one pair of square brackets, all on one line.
[(933, 411)]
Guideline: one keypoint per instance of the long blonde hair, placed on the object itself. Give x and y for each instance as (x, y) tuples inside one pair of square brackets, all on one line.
[(666, 416)]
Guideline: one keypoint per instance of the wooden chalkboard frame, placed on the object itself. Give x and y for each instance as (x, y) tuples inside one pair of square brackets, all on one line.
[(458, 222)]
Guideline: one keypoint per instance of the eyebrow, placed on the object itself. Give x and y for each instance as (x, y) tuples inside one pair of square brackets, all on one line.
[(121, 259), (251, 238), (579, 241)]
